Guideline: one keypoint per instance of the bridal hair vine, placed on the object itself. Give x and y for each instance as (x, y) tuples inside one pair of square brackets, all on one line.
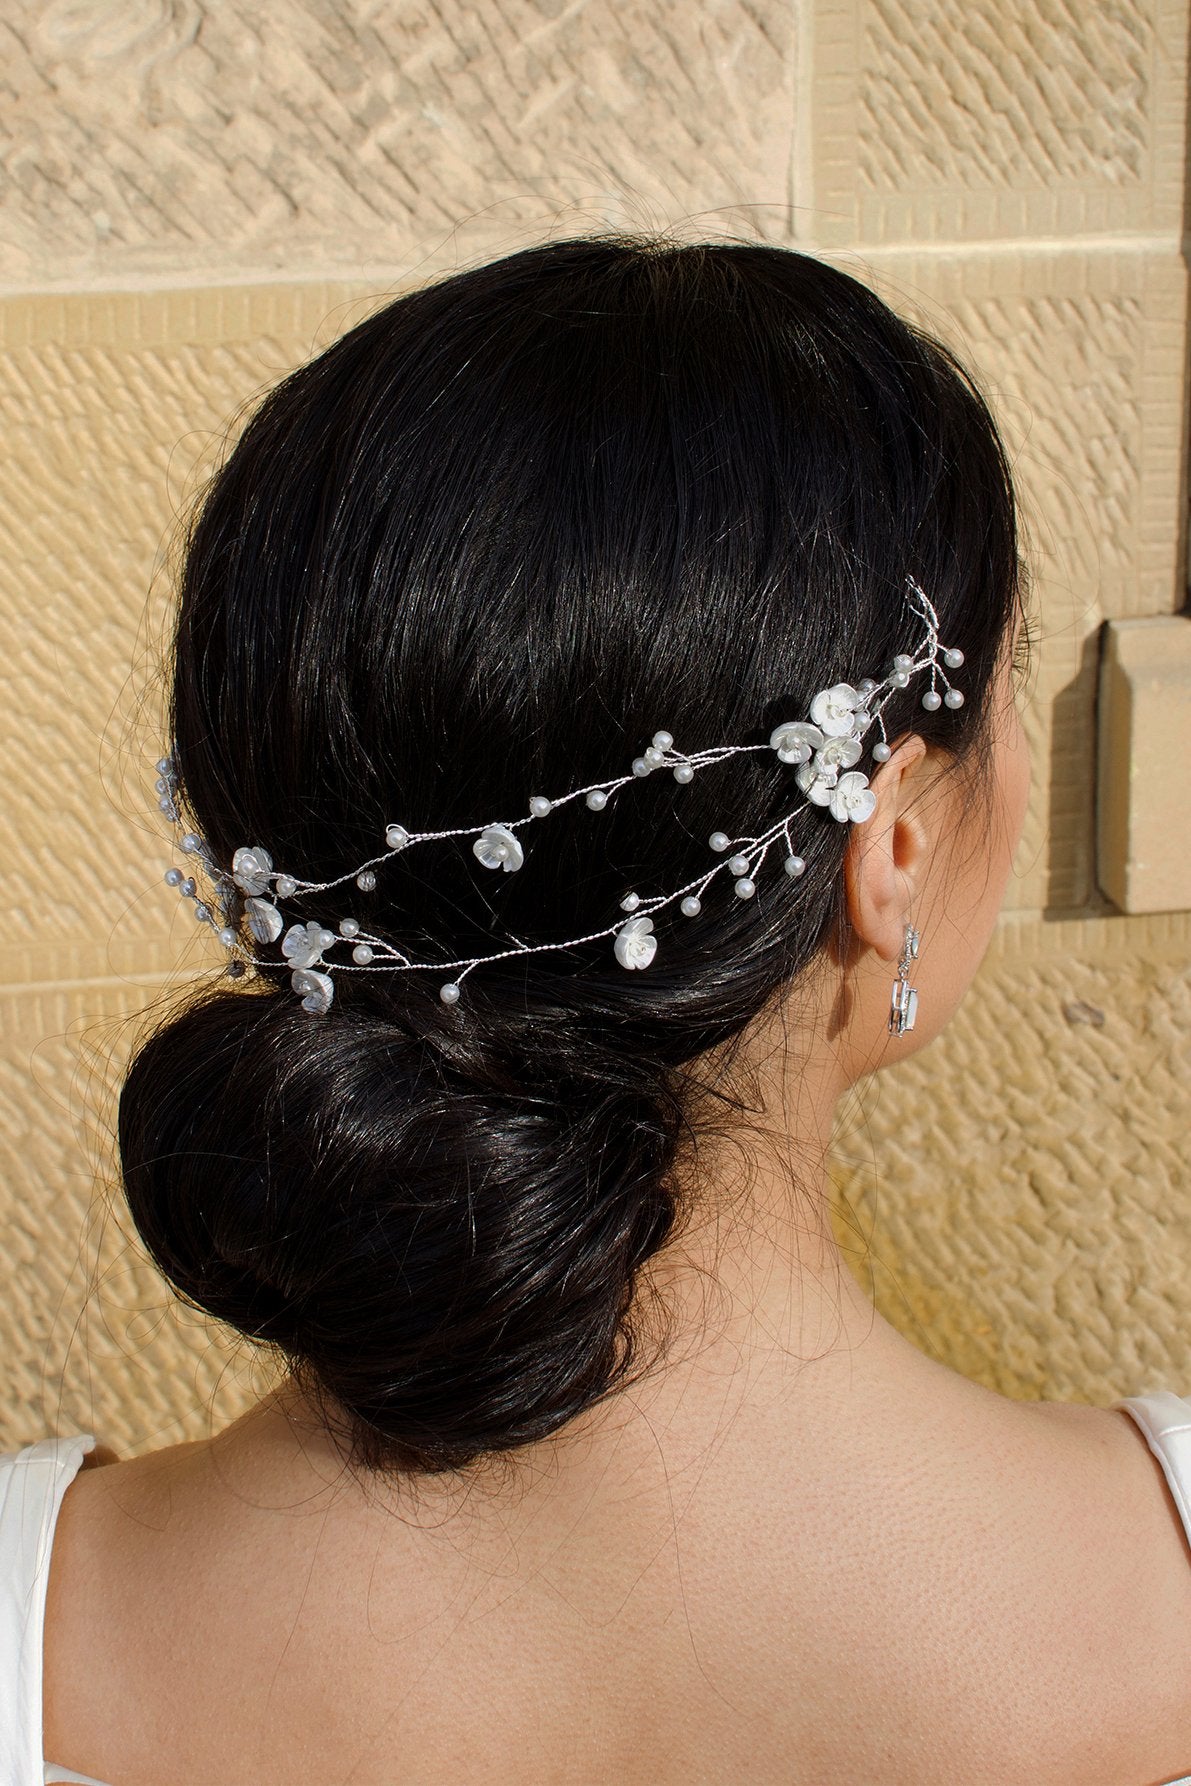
[(824, 750)]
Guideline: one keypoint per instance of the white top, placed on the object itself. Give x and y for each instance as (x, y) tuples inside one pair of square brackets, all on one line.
[(33, 1482)]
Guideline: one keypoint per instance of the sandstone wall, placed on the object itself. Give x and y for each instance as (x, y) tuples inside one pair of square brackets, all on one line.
[(198, 195)]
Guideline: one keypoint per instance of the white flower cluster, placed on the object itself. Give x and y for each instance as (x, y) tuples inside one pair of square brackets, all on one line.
[(824, 749)]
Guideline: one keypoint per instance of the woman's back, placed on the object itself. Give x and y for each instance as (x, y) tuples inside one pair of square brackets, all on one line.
[(680, 1596)]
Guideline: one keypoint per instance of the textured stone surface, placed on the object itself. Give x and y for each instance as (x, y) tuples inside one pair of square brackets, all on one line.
[(975, 119), (142, 138)]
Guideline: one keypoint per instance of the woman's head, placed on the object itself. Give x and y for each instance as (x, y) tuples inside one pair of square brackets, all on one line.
[(483, 546)]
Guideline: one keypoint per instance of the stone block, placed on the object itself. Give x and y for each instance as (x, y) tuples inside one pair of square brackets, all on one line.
[(1143, 838), (992, 120), (219, 142)]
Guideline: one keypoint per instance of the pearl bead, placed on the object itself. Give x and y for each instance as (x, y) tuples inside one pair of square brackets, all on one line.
[(164, 765), (362, 954), (396, 836), (640, 766), (173, 877), (866, 687), (684, 772), (691, 906), (953, 697), (162, 785), (349, 927), (187, 888), (738, 864), (719, 840), (882, 752), (932, 700), (228, 938), (902, 661), (170, 810), (899, 678), (653, 756), (540, 806), (192, 842), (597, 799), (795, 866), (203, 913), (366, 881), (165, 804), (630, 902), (286, 884), (953, 658), (449, 993), (745, 888), (662, 740)]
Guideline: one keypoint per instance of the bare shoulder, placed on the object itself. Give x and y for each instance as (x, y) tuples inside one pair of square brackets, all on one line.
[(1122, 1556)]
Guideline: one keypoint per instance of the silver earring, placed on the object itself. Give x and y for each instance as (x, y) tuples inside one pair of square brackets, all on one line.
[(904, 1003)]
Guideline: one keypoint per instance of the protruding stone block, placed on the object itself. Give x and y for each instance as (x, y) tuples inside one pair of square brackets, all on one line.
[(1143, 830)]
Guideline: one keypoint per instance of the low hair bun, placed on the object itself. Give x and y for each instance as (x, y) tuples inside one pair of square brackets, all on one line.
[(444, 1256)]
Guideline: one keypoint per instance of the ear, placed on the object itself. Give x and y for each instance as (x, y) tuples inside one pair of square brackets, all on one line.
[(888, 853)]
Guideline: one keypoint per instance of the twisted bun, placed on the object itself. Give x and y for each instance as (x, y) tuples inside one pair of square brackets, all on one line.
[(448, 1255)]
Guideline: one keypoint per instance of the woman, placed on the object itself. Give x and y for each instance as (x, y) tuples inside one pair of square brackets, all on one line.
[(589, 1460)]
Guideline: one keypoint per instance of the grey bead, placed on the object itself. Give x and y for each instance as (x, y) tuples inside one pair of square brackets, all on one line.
[(203, 913), (662, 740), (173, 877), (164, 766), (188, 888), (932, 700), (745, 888), (449, 993), (691, 906), (396, 836), (284, 885), (192, 842), (899, 678), (349, 927), (235, 969), (882, 752), (539, 806), (953, 698), (640, 766), (902, 661), (738, 864), (228, 938), (630, 902), (684, 772), (362, 954), (795, 866), (366, 881), (597, 799), (953, 658)]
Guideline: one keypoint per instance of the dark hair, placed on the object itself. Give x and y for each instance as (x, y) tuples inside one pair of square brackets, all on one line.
[(483, 547)]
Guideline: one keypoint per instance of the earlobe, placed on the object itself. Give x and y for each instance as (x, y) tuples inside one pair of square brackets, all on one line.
[(887, 855)]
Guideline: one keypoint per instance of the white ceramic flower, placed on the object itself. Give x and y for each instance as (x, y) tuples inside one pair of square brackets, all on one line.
[(837, 754), (818, 783), (634, 945), (319, 989), (264, 920), (498, 847), (852, 798), (795, 740), (251, 868), (303, 944), (834, 709)]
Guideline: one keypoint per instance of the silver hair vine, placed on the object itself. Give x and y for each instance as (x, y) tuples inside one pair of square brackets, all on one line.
[(824, 750)]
